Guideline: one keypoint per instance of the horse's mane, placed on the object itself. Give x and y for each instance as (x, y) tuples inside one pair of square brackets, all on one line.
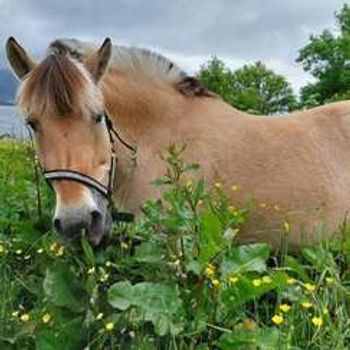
[(136, 60), (58, 85)]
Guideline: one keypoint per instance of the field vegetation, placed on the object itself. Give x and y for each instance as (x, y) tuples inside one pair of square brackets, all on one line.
[(173, 280)]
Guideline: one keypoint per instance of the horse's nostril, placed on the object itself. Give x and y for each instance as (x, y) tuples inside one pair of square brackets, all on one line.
[(95, 215), (57, 225)]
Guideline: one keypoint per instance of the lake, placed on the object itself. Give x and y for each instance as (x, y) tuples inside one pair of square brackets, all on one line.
[(11, 122)]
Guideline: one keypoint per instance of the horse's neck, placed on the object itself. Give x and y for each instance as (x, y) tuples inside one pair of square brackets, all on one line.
[(138, 106)]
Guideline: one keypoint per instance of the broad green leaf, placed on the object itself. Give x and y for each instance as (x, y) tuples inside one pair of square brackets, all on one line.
[(120, 295), (60, 288), (262, 339), (211, 236), (246, 258), (245, 290), (158, 303), (148, 253), (69, 337)]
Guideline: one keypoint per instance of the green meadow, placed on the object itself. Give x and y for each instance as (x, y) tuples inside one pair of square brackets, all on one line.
[(173, 280)]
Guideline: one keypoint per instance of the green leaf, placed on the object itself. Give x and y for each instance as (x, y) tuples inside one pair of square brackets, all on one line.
[(148, 252), (211, 236), (88, 252), (246, 258), (69, 337), (244, 290), (262, 339), (61, 290), (120, 295), (158, 303)]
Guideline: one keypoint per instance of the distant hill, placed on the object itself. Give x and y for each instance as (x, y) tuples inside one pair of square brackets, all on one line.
[(8, 87)]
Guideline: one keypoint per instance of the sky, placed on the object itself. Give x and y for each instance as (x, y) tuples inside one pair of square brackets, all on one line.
[(189, 32)]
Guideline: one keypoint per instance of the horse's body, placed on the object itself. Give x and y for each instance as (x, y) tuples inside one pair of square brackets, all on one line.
[(295, 168)]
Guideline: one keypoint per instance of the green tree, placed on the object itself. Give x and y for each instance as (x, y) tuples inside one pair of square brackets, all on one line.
[(327, 58), (253, 88)]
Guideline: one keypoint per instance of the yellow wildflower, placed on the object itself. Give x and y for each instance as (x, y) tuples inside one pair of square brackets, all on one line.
[(60, 251), (53, 247), (24, 318), (329, 280), (216, 283), (234, 188), (109, 326), (218, 185), (40, 251), (286, 226), (232, 208), (309, 287), (277, 319), (306, 305), (257, 282), (285, 307), (211, 266), (15, 313), (91, 270), (46, 318), (104, 277), (2, 249), (19, 251), (209, 271), (290, 280), (177, 262), (233, 279), (266, 279), (108, 263), (317, 321), (124, 246), (249, 323), (189, 183), (325, 311)]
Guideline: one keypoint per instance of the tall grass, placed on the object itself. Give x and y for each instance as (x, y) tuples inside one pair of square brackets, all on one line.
[(175, 279)]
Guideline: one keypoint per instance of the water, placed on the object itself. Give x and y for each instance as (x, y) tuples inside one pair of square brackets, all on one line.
[(12, 123)]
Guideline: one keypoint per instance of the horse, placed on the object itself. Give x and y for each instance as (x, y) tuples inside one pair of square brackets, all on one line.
[(295, 168)]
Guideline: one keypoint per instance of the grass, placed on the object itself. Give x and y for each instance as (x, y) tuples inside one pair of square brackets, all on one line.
[(174, 280)]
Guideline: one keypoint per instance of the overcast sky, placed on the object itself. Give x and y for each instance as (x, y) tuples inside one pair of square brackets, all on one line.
[(188, 31)]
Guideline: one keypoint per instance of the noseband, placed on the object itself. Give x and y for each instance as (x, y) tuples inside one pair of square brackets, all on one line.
[(88, 181)]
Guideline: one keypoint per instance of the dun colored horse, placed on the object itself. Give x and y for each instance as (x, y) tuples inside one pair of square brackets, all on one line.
[(296, 168)]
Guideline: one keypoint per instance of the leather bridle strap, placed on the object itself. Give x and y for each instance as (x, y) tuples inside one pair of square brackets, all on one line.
[(72, 175), (106, 191)]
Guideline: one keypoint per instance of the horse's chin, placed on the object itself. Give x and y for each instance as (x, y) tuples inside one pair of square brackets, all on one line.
[(99, 232), (99, 229)]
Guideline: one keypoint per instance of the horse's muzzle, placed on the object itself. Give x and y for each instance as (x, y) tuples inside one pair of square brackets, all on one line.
[(95, 220)]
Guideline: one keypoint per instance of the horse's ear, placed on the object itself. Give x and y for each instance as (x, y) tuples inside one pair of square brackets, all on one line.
[(97, 63), (19, 59)]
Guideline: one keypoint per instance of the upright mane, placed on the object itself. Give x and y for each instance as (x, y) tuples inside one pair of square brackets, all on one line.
[(138, 61)]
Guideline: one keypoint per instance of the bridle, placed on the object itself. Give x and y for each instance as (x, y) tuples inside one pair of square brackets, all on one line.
[(88, 181)]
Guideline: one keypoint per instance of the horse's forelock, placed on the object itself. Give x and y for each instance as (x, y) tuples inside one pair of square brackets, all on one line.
[(57, 85)]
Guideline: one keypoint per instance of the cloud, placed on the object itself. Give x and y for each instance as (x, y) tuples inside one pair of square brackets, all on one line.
[(238, 32)]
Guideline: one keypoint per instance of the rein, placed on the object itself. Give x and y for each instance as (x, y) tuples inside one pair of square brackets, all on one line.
[(88, 181)]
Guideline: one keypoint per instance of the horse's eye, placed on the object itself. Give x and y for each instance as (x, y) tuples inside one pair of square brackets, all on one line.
[(98, 119), (32, 124)]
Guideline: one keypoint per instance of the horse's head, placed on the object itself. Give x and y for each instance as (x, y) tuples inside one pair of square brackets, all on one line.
[(64, 106)]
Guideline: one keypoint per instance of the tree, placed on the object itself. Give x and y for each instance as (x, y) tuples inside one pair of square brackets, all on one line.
[(327, 58), (253, 88)]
